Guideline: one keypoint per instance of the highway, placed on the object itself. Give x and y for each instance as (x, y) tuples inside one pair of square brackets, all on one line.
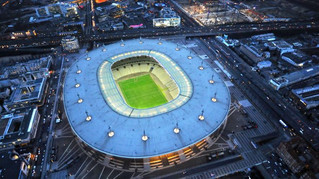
[(153, 33)]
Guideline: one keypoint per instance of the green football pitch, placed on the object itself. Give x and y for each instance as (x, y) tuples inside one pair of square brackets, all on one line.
[(142, 92)]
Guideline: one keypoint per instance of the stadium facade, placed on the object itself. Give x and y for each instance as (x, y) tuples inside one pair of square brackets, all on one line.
[(124, 137)]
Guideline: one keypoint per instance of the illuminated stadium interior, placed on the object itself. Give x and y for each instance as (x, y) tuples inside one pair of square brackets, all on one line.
[(143, 82), (169, 78)]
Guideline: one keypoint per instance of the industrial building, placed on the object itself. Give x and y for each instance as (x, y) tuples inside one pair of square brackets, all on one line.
[(18, 127), (296, 58), (294, 77), (253, 53), (307, 97)]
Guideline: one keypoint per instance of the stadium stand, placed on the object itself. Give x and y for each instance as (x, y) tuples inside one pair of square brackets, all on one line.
[(133, 67)]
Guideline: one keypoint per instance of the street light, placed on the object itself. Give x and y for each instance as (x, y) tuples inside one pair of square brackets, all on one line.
[(80, 100), (160, 42), (177, 49), (144, 137), (122, 44), (76, 83), (201, 67), (189, 56), (176, 129), (141, 40), (111, 133), (201, 117), (88, 117), (211, 81), (214, 98), (78, 71)]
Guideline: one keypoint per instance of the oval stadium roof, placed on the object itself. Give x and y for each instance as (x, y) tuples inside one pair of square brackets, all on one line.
[(92, 119)]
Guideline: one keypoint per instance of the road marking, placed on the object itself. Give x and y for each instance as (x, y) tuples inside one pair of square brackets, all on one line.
[(110, 173)]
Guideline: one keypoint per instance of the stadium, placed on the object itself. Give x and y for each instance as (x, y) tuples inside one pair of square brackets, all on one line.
[(144, 104)]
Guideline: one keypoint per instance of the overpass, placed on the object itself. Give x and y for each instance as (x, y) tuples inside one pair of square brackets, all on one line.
[(252, 28)]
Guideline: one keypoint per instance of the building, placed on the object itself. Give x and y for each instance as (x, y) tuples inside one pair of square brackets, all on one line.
[(253, 53), (296, 58), (285, 151), (264, 64), (168, 18), (18, 127), (22, 34), (133, 139), (264, 37), (294, 77), (14, 168), (4, 93), (307, 97), (70, 43), (25, 84), (299, 157), (27, 93), (38, 65), (280, 45), (62, 9)]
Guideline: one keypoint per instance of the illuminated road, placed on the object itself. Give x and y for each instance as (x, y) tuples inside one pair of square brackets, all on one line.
[(188, 32)]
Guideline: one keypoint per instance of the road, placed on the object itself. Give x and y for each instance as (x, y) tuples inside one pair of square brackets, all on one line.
[(52, 122), (185, 31)]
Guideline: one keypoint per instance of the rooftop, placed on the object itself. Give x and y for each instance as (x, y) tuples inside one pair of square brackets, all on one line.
[(295, 77), (16, 127), (93, 119)]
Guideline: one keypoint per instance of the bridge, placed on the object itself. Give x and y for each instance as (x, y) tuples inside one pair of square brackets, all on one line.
[(198, 31)]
